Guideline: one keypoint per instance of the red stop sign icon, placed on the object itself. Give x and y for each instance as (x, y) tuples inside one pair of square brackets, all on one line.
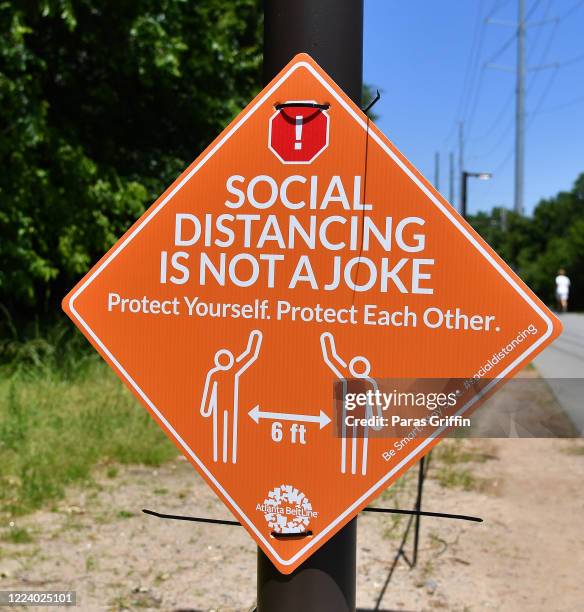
[(298, 134)]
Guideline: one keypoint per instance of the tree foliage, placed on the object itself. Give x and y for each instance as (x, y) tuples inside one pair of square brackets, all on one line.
[(538, 246), (103, 103)]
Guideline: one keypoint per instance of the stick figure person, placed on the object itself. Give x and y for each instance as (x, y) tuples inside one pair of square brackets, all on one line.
[(221, 394), (359, 367)]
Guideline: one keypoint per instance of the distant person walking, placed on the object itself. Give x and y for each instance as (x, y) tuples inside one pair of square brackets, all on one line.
[(562, 290)]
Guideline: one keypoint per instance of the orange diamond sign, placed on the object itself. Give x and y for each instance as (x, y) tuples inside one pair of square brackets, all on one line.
[(300, 248)]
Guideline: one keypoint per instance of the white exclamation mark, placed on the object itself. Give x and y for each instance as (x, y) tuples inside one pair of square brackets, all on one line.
[(298, 143)]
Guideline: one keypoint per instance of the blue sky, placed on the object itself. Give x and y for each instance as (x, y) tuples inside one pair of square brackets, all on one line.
[(418, 53)]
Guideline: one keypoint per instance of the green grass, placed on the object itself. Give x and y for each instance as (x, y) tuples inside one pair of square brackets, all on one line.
[(18, 535), (451, 452), (574, 450), (62, 412), (452, 469), (457, 479), (124, 514), (90, 563)]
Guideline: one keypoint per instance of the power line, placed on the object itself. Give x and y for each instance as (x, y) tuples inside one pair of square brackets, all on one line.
[(506, 104), (532, 116), (532, 9), (473, 83), (470, 115), (543, 96), (497, 7), (571, 61), (521, 89), (543, 57), (502, 49), (505, 107), (497, 121), (574, 8), (533, 46), (556, 65), (478, 30), (501, 140), (506, 126), (572, 102), (475, 101), (518, 36), (476, 85), (471, 87)]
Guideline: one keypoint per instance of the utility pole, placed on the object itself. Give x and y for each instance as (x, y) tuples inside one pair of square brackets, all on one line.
[(483, 176), (332, 33), (520, 110), (520, 70), (451, 179), (437, 170), (463, 193), (503, 219), (461, 157)]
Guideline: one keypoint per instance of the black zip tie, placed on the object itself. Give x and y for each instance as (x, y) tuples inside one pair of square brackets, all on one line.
[(196, 519), (460, 517), (324, 106), (372, 103), (199, 519), (291, 535)]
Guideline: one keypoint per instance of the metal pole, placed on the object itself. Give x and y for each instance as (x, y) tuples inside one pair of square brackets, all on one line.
[(463, 192), (437, 170), (461, 154), (325, 582), (332, 33), (520, 110), (451, 186), (421, 476), (329, 30)]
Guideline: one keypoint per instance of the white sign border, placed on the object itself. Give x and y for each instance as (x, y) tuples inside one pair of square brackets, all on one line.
[(444, 209)]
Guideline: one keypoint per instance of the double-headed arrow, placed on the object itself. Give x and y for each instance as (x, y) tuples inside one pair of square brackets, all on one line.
[(322, 419)]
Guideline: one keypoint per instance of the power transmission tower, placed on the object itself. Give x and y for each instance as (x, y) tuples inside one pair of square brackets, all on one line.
[(460, 155), (437, 170), (520, 111), (451, 179), (520, 69)]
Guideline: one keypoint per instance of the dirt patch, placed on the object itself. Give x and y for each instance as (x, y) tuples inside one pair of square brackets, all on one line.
[(527, 555)]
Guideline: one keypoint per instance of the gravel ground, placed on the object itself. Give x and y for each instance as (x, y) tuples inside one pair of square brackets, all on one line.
[(527, 555)]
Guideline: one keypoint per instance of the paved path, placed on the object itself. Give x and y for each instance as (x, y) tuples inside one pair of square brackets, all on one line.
[(565, 359)]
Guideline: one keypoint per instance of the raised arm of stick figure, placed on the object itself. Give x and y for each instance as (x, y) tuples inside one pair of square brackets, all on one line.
[(329, 353), (251, 352)]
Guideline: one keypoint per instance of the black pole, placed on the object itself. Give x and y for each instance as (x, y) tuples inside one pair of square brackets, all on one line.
[(463, 191), (331, 31), (325, 582), (421, 476)]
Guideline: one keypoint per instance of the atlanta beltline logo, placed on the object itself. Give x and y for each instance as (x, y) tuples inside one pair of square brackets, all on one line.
[(287, 510)]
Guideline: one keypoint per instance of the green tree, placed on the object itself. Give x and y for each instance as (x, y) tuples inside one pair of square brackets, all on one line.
[(104, 103), (538, 246)]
